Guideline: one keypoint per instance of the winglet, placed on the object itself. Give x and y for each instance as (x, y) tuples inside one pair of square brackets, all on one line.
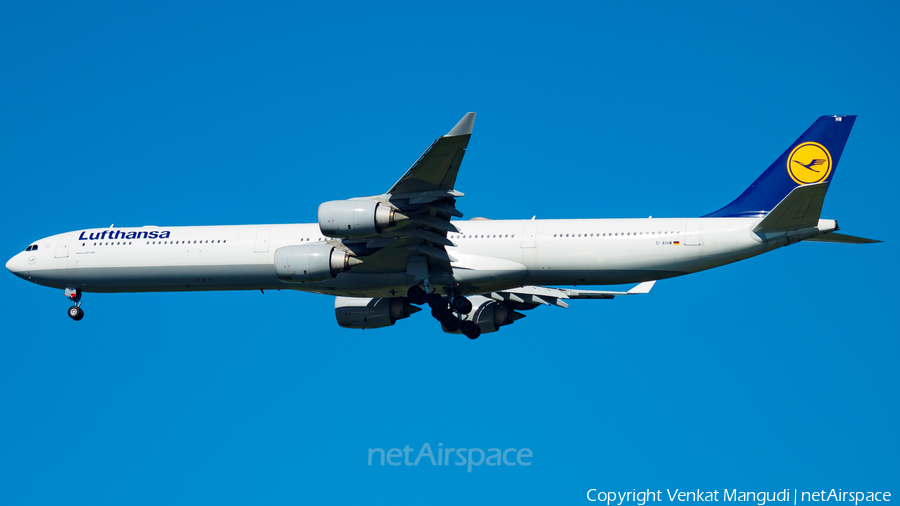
[(464, 127), (642, 288)]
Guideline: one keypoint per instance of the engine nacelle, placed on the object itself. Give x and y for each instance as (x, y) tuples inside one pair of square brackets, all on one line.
[(355, 218), (490, 315), (365, 313), (311, 262)]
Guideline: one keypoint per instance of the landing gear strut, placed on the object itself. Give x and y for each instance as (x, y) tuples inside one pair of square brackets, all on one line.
[(75, 312)]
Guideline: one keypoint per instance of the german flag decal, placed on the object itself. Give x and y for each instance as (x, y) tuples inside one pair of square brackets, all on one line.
[(677, 243)]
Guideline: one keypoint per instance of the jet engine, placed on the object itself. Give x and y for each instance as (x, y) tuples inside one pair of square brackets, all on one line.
[(356, 218), (311, 262), (366, 313), (489, 314)]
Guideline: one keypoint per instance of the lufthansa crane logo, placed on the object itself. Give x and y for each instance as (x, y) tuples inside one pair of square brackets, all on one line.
[(809, 163)]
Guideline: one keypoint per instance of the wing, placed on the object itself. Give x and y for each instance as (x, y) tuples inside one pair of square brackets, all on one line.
[(534, 296), (438, 166), (529, 297), (426, 195)]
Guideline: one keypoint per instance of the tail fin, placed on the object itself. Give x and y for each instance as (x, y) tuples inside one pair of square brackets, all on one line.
[(813, 158)]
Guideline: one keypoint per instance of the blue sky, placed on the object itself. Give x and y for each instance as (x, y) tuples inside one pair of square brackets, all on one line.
[(777, 372)]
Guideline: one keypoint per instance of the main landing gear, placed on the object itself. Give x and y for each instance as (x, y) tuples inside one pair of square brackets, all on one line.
[(448, 312), (75, 312)]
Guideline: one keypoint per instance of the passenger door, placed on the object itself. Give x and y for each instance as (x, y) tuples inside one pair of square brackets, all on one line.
[(262, 242), (692, 234), (528, 234), (62, 246)]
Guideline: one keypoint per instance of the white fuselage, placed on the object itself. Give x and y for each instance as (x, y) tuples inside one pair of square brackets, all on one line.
[(489, 255)]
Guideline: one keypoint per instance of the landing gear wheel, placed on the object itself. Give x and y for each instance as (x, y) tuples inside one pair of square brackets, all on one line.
[(436, 301), (451, 323), (76, 313), (416, 295), (470, 330), (440, 313), (462, 304)]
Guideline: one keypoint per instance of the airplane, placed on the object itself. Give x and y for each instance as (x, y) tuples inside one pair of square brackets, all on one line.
[(383, 256)]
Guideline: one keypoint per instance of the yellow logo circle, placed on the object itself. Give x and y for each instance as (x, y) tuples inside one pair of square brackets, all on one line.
[(809, 163)]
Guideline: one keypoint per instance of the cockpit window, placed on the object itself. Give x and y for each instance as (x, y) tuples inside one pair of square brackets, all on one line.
[(31, 248)]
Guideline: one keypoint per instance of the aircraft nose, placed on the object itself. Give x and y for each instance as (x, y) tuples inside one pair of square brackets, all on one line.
[(16, 265)]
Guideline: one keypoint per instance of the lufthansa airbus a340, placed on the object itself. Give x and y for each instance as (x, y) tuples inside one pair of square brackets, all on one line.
[(384, 255)]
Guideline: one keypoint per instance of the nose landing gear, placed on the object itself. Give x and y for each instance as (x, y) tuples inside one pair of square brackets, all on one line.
[(75, 312)]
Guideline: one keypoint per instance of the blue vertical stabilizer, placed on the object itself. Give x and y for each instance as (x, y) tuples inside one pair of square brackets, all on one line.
[(813, 158)]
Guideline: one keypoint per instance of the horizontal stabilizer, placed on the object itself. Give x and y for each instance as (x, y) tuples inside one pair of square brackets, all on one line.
[(800, 209), (841, 238)]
